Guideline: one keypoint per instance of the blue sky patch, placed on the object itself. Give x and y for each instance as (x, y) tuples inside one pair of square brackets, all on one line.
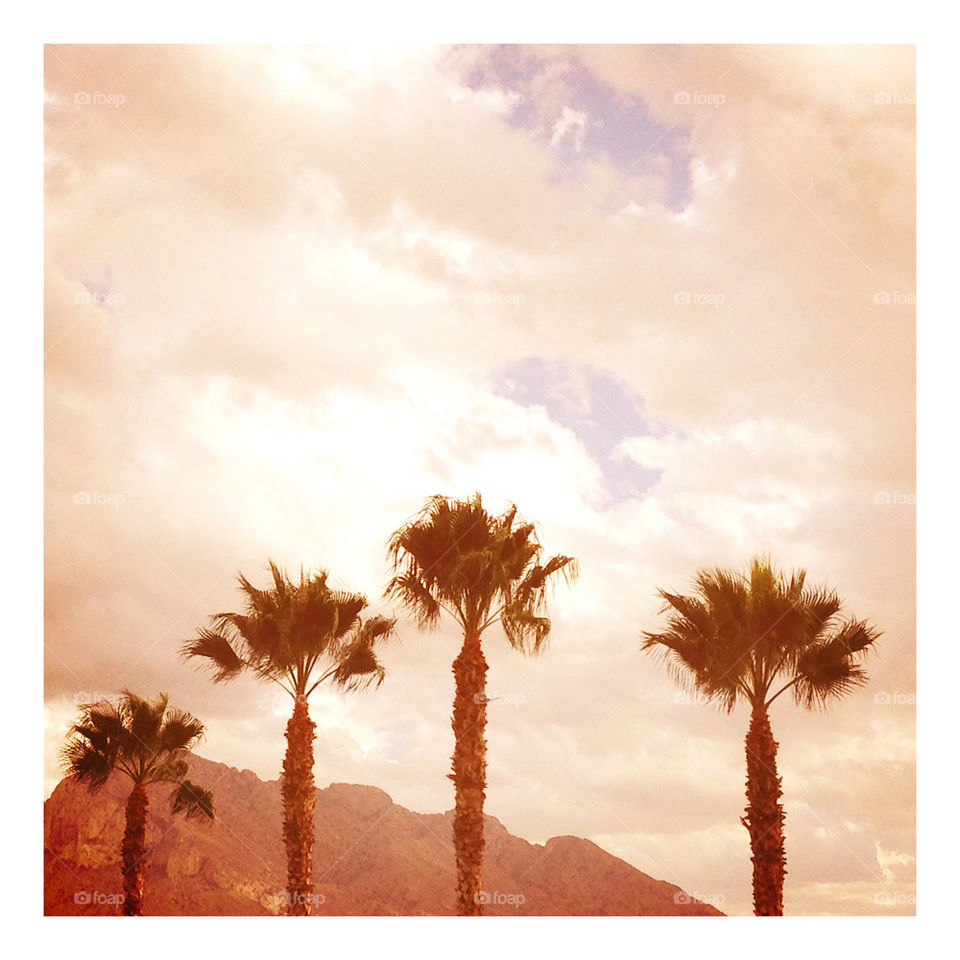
[(590, 120), (600, 409)]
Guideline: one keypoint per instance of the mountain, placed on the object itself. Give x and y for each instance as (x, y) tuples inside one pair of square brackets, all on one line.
[(372, 857)]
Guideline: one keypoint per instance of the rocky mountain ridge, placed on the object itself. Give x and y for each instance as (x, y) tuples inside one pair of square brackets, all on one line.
[(372, 857)]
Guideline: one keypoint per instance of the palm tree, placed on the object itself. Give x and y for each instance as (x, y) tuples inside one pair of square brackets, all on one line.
[(749, 637), (454, 556), (149, 741), (297, 635)]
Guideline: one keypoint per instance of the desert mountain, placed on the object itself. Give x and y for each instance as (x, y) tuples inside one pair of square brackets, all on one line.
[(371, 857)]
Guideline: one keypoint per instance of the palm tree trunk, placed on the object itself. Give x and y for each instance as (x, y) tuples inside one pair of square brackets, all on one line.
[(299, 799), (469, 772), (764, 817), (133, 851)]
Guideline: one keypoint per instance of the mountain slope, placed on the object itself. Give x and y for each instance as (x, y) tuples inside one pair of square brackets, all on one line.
[(372, 857)]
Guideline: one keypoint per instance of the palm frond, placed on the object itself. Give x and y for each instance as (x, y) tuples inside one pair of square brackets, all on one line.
[(169, 769), (831, 669), (193, 800), (217, 651), (142, 717), (180, 730), (482, 568), (525, 631), (414, 596), (358, 665)]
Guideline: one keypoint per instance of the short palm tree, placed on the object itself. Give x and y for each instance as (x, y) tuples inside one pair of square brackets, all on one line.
[(749, 637), (482, 570), (297, 635), (148, 741)]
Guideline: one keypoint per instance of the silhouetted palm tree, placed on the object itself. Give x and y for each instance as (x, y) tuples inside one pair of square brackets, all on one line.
[(751, 637), (482, 570), (149, 742), (297, 635)]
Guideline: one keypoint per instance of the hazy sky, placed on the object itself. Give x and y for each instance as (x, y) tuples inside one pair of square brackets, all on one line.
[(660, 297)]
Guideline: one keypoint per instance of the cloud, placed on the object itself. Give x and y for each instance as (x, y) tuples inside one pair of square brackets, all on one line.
[(888, 859), (571, 124)]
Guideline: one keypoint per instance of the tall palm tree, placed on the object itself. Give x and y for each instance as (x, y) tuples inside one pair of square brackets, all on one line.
[(297, 635), (148, 741), (481, 569), (750, 637)]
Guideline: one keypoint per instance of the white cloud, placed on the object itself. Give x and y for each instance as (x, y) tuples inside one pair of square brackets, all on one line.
[(888, 859), (570, 124)]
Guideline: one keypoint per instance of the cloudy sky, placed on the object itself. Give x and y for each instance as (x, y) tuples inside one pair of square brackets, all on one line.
[(660, 297)]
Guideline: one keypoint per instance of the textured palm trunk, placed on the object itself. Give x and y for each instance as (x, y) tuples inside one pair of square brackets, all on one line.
[(299, 799), (469, 773), (764, 817), (133, 851)]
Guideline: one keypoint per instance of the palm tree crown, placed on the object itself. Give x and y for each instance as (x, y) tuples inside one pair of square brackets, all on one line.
[(480, 568), (147, 740), (743, 635), (286, 632)]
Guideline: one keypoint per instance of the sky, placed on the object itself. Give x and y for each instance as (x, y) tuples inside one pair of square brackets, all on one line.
[(660, 297)]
